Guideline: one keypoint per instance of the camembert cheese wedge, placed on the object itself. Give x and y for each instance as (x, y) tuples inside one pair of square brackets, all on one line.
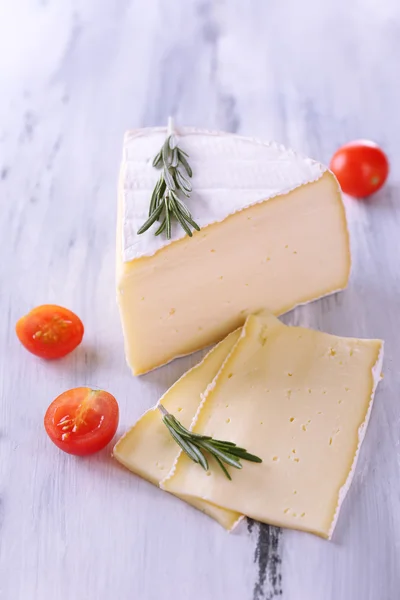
[(148, 449), (273, 235), (299, 399)]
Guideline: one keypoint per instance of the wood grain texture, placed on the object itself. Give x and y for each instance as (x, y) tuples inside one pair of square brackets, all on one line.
[(73, 76)]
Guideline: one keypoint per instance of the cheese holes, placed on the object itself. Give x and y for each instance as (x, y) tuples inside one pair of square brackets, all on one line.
[(291, 457), (331, 439)]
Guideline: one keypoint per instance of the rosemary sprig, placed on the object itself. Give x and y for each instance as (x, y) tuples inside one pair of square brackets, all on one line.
[(194, 445), (174, 179)]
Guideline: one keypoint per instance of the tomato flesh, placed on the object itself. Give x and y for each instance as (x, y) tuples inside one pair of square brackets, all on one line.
[(361, 168), (82, 421), (50, 331)]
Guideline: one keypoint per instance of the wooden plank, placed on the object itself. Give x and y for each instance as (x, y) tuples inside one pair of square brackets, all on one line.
[(75, 76)]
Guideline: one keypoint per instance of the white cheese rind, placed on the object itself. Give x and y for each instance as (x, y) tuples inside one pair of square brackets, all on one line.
[(376, 376), (230, 173)]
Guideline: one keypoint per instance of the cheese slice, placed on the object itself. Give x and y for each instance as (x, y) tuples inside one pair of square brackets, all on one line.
[(273, 235), (148, 449), (298, 399)]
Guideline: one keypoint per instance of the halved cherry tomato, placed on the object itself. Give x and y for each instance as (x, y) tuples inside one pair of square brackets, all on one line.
[(50, 331), (361, 168), (82, 421)]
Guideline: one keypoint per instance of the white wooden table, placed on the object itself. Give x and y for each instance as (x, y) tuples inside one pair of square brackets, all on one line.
[(73, 76)]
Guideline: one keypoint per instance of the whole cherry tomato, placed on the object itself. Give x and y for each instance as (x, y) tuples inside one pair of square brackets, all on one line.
[(361, 168)]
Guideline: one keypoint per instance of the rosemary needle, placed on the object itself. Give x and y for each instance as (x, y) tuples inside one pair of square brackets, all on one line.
[(194, 445), (165, 203)]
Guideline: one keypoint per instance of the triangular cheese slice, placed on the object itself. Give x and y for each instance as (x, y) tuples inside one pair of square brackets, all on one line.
[(273, 235)]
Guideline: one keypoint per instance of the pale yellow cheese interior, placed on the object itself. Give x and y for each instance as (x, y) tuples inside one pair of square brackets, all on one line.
[(148, 449), (298, 399), (276, 254)]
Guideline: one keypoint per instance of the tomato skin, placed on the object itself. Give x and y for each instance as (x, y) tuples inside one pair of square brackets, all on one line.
[(50, 331), (82, 421), (361, 168)]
